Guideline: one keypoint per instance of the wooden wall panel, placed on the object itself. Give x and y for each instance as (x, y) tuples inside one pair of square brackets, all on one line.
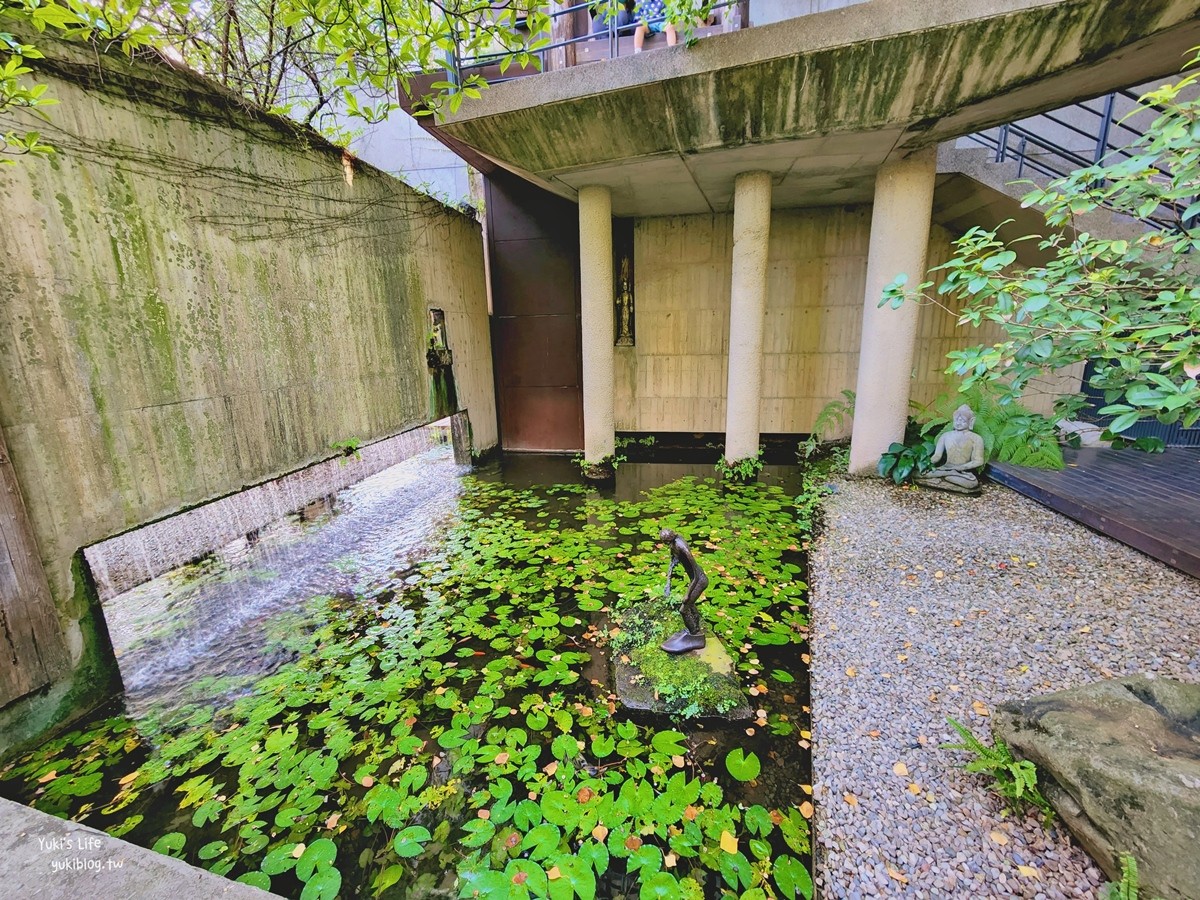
[(533, 242)]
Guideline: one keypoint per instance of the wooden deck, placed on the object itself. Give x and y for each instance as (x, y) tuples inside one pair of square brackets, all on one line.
[(1150, 501)]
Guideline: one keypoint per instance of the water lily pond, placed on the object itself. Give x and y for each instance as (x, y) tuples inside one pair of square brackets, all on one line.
[(451, 727)]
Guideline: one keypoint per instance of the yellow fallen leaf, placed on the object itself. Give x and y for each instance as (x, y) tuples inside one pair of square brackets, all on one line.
[(1029, 871), (49, 776), (332, 821), (553, 873), (912, 610), (298, 851), (600, 832), (999, 837), (897, 875), (807, 788), (728, 842), (939, 574), (128, 778), (805, 658), (502, 758), (914, 789), (806, 809), (850, 798), (551, 767), (484, 814), (900, 769), (851, 671), (670, 860), (367, 781), (677, 761), (690, 812), (980, 709)]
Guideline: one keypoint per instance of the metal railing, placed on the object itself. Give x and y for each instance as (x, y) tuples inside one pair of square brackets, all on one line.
[(613, 33), (1106, 140)]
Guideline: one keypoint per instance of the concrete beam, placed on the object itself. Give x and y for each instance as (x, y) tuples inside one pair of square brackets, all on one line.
[(899, 238), (819, 101)]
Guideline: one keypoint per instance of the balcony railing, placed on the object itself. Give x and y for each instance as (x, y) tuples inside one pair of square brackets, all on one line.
[(1058, 142)]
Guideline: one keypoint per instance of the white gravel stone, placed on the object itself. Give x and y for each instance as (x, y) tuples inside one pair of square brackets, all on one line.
[(935, 601)]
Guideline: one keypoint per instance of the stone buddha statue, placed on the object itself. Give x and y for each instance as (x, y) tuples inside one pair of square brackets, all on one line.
[(963, 452)]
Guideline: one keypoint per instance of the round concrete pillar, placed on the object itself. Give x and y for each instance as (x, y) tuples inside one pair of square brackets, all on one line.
[(596, 310), (899, 238), (747, 303)]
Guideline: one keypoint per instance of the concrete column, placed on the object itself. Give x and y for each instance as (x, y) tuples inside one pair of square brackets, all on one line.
[(596, 302), (899, 238), (747, 303)]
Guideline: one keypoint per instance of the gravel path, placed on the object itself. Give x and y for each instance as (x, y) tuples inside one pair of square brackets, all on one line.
[(927, 605)]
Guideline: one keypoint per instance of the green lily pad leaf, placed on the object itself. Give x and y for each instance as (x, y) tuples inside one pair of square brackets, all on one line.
[(170, 844), (323, 885), (411, 841), (602, 746), (259, 880), (670, 742), (212, 849), (782, 676), (742, 765), (479, 832), (279, 860), (661, 886), (208, 812), (319, 853), (792, 878), (736, 870), (758, 820)]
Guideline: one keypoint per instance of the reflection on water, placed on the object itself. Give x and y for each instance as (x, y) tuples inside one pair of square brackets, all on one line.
[(177, 635)]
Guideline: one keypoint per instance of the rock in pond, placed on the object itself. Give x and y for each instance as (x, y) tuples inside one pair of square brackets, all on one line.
[(706, 676), (1120, 762)]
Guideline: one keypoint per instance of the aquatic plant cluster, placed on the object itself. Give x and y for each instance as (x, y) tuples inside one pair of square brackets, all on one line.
[(454, 731)]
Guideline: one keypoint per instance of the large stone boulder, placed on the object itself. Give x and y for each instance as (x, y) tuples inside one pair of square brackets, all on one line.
[(1120, 762)]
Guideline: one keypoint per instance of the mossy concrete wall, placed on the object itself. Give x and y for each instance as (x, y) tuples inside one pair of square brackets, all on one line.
[(195, 298)]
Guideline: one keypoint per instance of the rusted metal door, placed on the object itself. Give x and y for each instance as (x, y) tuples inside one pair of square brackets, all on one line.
[(31, 642), (533, 252)]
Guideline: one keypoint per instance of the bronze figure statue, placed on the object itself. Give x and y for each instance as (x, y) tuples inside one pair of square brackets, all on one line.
[(692, 636)]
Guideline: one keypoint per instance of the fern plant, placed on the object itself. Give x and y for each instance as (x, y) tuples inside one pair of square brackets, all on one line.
[(1127, 887), (833, 416), (1013, 779)]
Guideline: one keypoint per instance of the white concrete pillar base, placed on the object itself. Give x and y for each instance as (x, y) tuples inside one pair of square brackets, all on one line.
[(747, 305), (596, 310), (899, 239)]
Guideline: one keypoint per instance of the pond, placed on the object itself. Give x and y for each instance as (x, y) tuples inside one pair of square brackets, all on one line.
[(435, 715)]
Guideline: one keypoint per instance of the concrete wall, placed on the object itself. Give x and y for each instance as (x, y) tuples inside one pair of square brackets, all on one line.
[(193, 299), (674, 379)]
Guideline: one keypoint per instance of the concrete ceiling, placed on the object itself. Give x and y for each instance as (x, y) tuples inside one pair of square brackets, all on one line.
[(818, 101)]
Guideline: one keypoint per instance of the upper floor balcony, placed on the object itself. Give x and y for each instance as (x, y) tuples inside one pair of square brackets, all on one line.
[(820, 101)]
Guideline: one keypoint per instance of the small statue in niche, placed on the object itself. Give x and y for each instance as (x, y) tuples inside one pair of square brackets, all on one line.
[(692, 636), (963, 450), (625, 306)]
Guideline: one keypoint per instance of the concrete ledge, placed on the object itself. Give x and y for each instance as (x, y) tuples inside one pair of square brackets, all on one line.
[(48, 858)]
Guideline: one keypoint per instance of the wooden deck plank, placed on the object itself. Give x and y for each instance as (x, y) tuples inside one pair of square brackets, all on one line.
[(1150, 501)]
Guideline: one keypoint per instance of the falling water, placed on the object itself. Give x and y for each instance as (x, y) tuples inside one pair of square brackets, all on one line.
[(213, 619)]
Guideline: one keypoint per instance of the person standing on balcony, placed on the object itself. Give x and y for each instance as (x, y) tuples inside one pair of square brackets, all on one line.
[(652, 18)]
